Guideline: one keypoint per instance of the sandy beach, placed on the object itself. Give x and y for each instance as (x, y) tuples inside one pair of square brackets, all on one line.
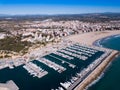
[(89, 39)]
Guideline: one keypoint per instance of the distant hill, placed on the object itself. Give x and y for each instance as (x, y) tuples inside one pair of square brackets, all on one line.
[(90, 17)]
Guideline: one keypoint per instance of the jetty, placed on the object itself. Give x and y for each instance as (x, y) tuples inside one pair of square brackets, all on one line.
[(35, 70), (9, 85), (97, 71)]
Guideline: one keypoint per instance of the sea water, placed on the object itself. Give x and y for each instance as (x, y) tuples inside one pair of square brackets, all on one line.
[(111, 78)]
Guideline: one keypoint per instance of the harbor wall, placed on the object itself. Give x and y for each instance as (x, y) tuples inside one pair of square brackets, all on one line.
[(93, 76)]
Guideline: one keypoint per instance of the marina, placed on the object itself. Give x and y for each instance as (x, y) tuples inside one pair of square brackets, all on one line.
[(72, 64)]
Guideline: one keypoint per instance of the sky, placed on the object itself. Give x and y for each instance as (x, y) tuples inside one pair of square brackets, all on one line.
[(14, 7)]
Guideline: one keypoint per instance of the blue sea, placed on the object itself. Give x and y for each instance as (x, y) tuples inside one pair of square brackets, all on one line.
[(111, 78)]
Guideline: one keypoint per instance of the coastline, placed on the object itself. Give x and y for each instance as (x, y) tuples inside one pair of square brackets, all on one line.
[(91, 37), (95, 40), (97, 72)]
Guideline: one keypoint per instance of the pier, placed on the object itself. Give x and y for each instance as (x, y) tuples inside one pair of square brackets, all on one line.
[(34, 70), (97, 71), (52, 65), (10, 85), (71, 65)]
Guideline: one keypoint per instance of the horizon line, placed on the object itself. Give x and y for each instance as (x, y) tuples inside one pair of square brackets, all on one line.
[(63, 13)]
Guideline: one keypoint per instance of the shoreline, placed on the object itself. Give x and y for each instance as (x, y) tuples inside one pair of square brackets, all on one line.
[(100, 76), (97, 72), (96, 42), (91, 37)]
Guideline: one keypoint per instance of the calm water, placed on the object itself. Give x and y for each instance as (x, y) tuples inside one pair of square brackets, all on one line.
[(52, 80), (111, 78)]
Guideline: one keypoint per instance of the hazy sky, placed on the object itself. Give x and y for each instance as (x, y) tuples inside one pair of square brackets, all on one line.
[(58, 6)]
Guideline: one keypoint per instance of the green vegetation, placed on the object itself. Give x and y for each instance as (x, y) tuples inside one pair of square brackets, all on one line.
[(13, 44)]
